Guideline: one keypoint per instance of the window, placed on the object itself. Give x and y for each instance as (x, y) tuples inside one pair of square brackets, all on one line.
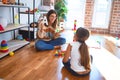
[(101, 14)]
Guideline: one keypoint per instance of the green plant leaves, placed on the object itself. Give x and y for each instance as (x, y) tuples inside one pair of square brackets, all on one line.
[(61, 9)]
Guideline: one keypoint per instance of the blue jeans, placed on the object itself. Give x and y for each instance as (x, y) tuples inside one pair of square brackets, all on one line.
[(49, 45), (67, 65)]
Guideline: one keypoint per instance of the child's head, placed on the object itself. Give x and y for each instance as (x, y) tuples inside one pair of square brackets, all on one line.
[(82, 34)]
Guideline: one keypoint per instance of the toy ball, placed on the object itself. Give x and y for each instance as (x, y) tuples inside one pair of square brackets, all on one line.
[(11, 53)]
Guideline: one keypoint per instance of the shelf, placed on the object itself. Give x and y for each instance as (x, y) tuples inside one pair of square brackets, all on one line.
[(27, 12), (14, 45), (11, 27), (24, 31), (31, 29), (10, 5), (41, 12)]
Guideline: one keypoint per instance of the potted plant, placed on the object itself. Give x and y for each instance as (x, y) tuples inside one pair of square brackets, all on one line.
[(61, 9)]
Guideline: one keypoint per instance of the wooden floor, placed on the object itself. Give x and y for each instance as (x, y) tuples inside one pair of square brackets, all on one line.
[(29, 64)]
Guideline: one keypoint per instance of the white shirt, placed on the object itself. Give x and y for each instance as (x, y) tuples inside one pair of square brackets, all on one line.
[(75, 57)]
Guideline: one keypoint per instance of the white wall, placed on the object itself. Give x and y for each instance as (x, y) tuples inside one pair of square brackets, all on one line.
[(76, 11), (6, 36), (5, 13)]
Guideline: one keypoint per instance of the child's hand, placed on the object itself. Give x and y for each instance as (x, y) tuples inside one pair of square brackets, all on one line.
[(69, 47)]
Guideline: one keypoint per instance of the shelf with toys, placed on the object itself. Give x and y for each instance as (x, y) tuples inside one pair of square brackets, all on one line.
[(36, 10), (10, 5), (11, 27), (32, 13), (7, 47), (13, 45)]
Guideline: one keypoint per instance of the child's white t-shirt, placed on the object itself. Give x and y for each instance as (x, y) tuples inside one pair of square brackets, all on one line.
[(75, 57)]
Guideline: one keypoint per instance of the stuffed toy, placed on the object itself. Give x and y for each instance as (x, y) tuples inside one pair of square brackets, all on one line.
[(1, 28)]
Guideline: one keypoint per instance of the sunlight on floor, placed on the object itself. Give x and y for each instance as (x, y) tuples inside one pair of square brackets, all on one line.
[(107, 63), (112, 39)]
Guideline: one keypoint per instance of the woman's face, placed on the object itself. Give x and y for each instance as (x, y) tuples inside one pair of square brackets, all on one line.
[(52, 18)]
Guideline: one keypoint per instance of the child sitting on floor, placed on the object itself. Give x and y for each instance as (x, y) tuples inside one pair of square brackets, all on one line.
[(77, 58)]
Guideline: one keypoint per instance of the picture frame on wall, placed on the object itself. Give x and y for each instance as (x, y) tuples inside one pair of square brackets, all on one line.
[(46, 5)]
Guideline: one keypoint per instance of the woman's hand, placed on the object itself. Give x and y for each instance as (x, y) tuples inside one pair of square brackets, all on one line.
[(61, 29), (52, 30), (49, 29), (56, 35), (46, 29)]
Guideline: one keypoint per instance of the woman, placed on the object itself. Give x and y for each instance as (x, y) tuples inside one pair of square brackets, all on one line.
[(48, 34), (77, 58)]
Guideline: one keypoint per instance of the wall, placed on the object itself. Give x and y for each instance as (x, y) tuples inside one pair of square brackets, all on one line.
[(88, 18), (76, 11), (88, 13), (6, 13), (114, 26), (115, 18)]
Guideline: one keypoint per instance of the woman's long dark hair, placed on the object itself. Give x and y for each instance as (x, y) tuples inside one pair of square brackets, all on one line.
[(48, 15), (82, 35)]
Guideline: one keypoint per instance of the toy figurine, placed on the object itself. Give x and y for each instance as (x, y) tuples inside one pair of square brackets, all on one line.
[(1, 28), (74, 29), (11, 53), (4, 47)]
